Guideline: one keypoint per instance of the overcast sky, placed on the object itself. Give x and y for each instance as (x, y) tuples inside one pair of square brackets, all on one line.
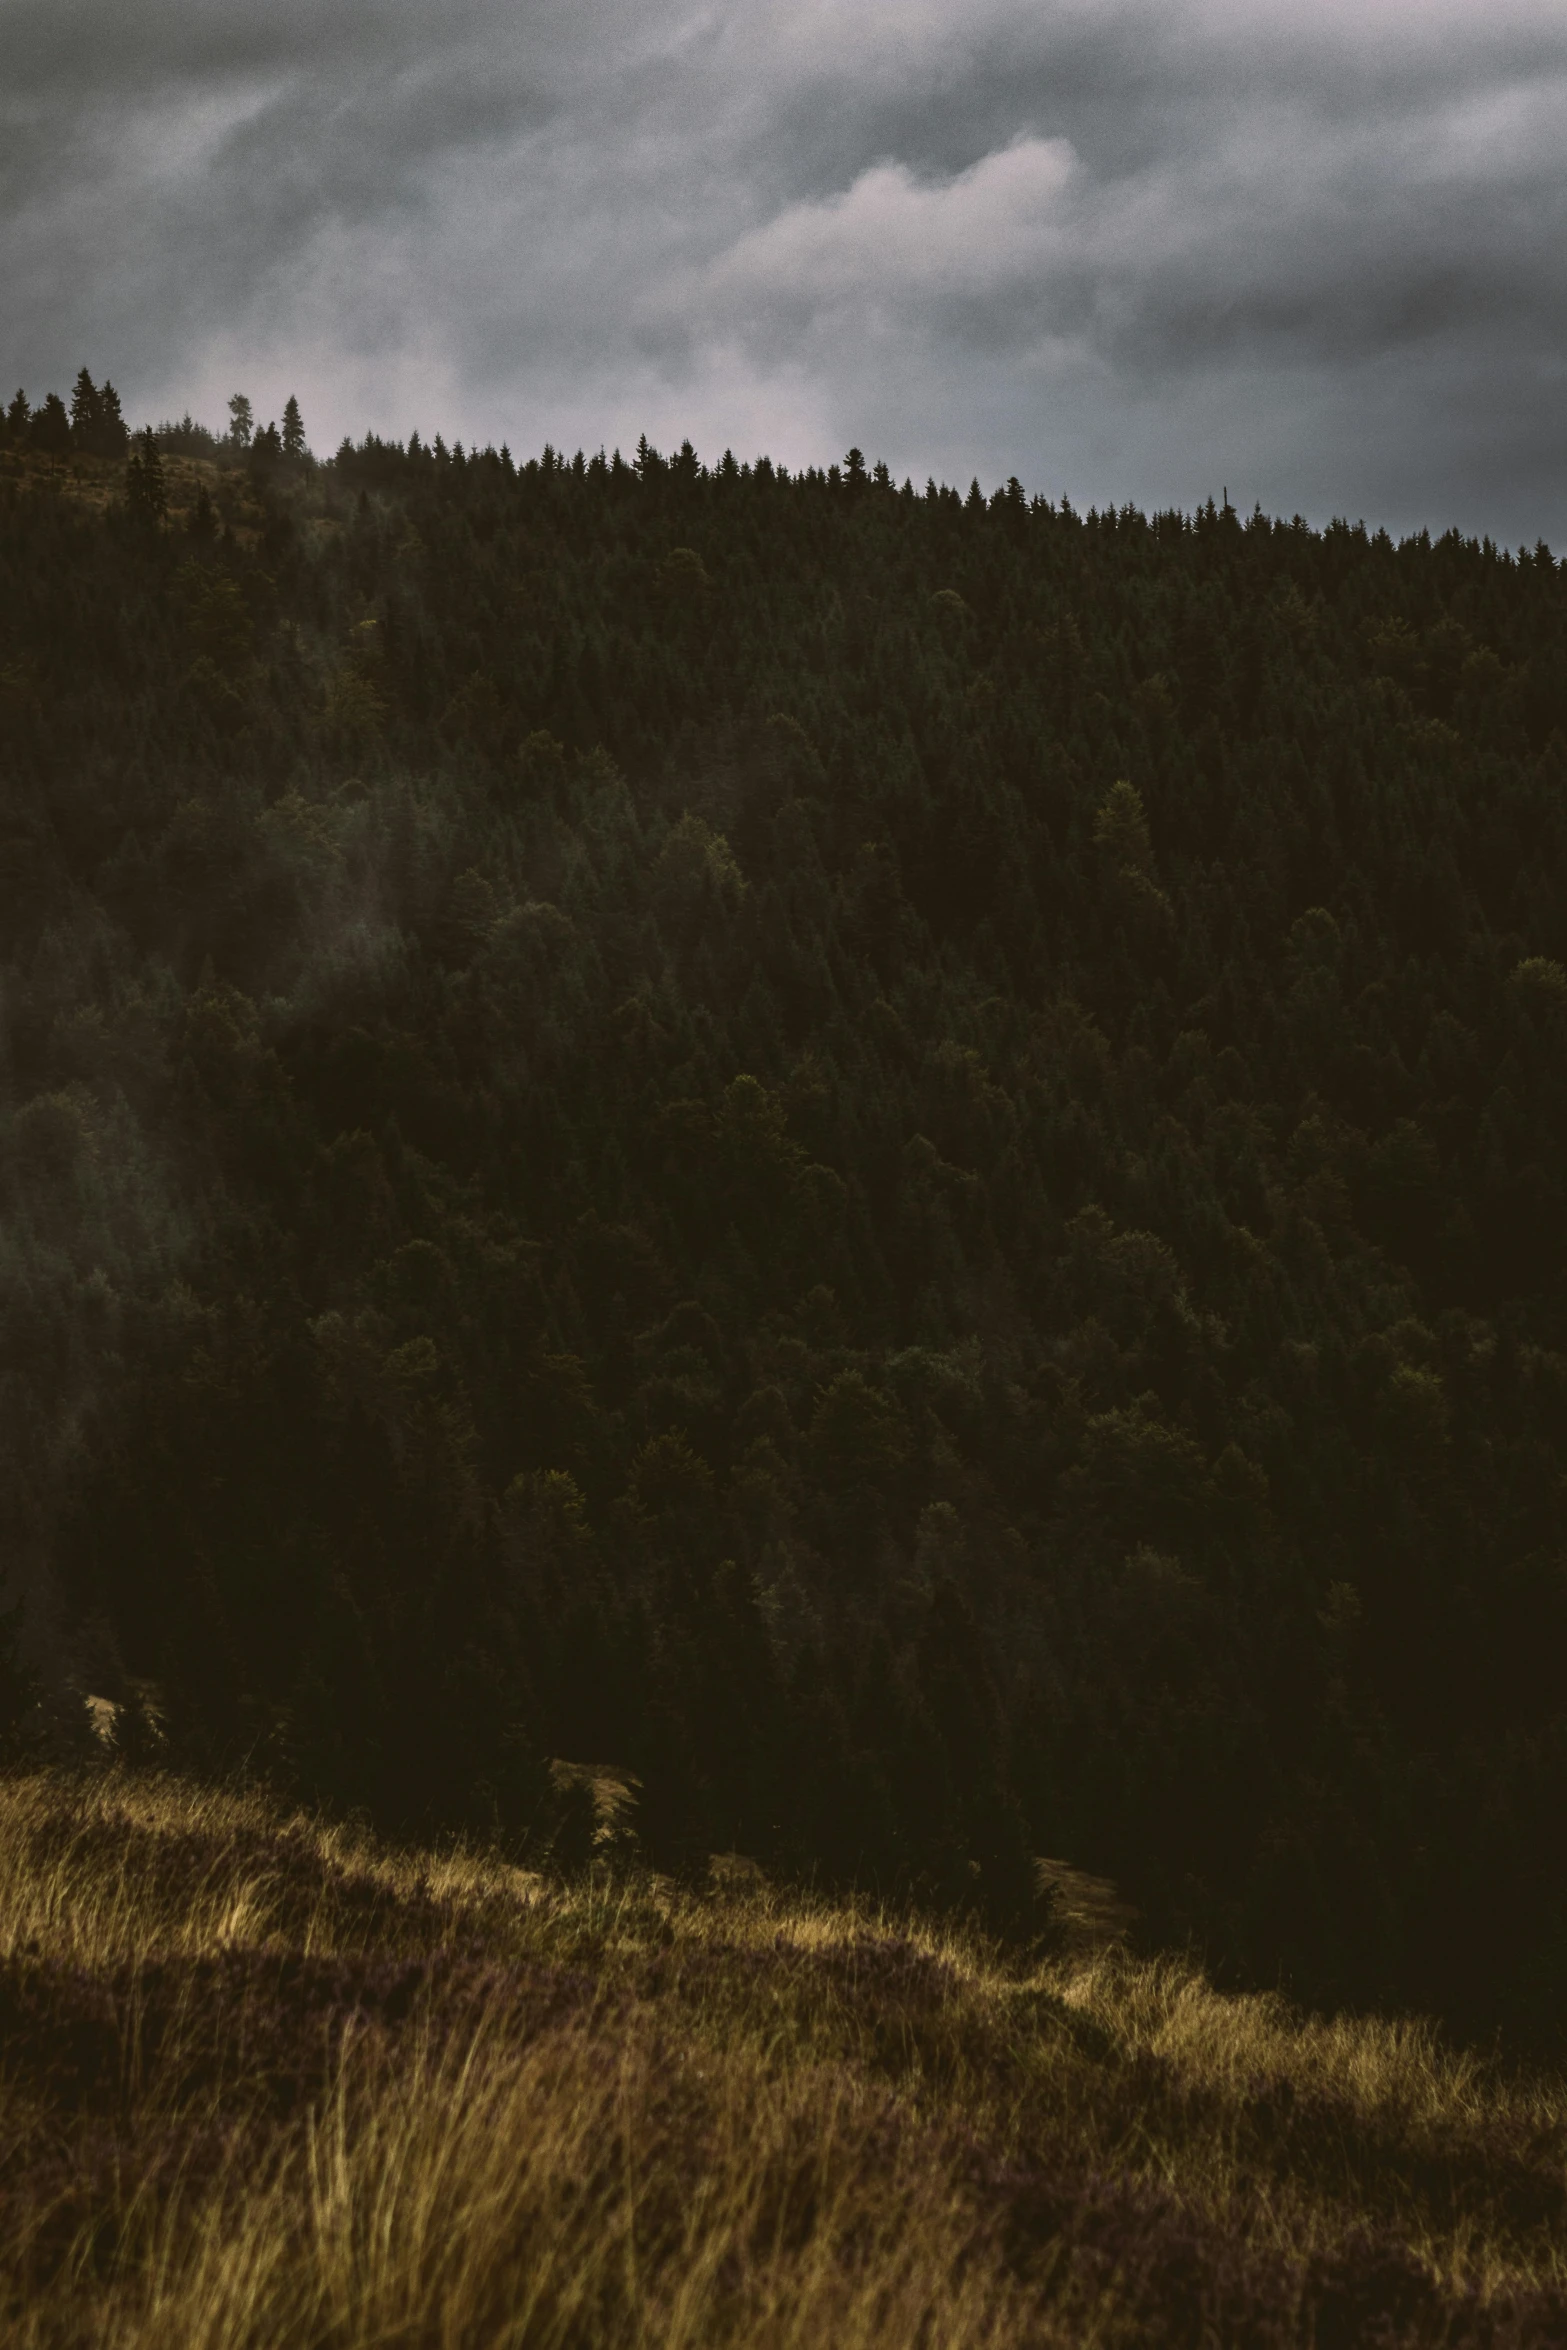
[(1311, 250)]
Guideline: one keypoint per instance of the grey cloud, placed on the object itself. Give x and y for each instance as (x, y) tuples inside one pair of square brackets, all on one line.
[(1315, 251)]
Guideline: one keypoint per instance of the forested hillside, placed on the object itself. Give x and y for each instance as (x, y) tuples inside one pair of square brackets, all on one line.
[(895, 1161)]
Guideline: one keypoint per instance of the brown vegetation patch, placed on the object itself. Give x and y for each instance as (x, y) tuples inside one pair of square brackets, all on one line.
[(263, 2081)]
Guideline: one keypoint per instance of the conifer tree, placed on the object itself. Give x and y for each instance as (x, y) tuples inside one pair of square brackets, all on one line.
[(146, 490), (50, 430), (86, 411), (113, 431), (97, 425)]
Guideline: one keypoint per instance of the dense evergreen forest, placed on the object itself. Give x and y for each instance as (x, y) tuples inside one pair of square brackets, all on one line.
[(893, 1159)]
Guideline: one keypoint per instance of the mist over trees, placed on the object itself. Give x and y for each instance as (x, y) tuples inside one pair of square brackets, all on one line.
[(895, 1160)]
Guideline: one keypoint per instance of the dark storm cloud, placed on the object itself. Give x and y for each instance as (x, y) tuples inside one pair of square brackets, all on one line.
[(1313, 251)]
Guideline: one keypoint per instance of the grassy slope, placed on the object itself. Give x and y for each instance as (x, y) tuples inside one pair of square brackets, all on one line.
[(263, 2082)]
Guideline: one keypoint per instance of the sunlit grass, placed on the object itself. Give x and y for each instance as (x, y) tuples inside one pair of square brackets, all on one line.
[(264, 2080)]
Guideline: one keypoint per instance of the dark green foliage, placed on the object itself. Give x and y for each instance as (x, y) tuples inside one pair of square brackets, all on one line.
[(50, 427), (146, 493), (894, 1161), (20, 1722), (98, 427)]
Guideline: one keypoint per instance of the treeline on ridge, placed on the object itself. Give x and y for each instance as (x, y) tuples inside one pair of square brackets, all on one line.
[(894, 1160)]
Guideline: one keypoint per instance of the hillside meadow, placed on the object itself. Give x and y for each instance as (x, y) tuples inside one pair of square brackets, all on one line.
[(267, 2080)]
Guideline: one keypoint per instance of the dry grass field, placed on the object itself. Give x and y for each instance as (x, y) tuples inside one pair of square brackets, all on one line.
[(265, 2082)]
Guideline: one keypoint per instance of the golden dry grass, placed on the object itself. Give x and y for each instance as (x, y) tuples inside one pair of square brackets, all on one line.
[(264, 2081)]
